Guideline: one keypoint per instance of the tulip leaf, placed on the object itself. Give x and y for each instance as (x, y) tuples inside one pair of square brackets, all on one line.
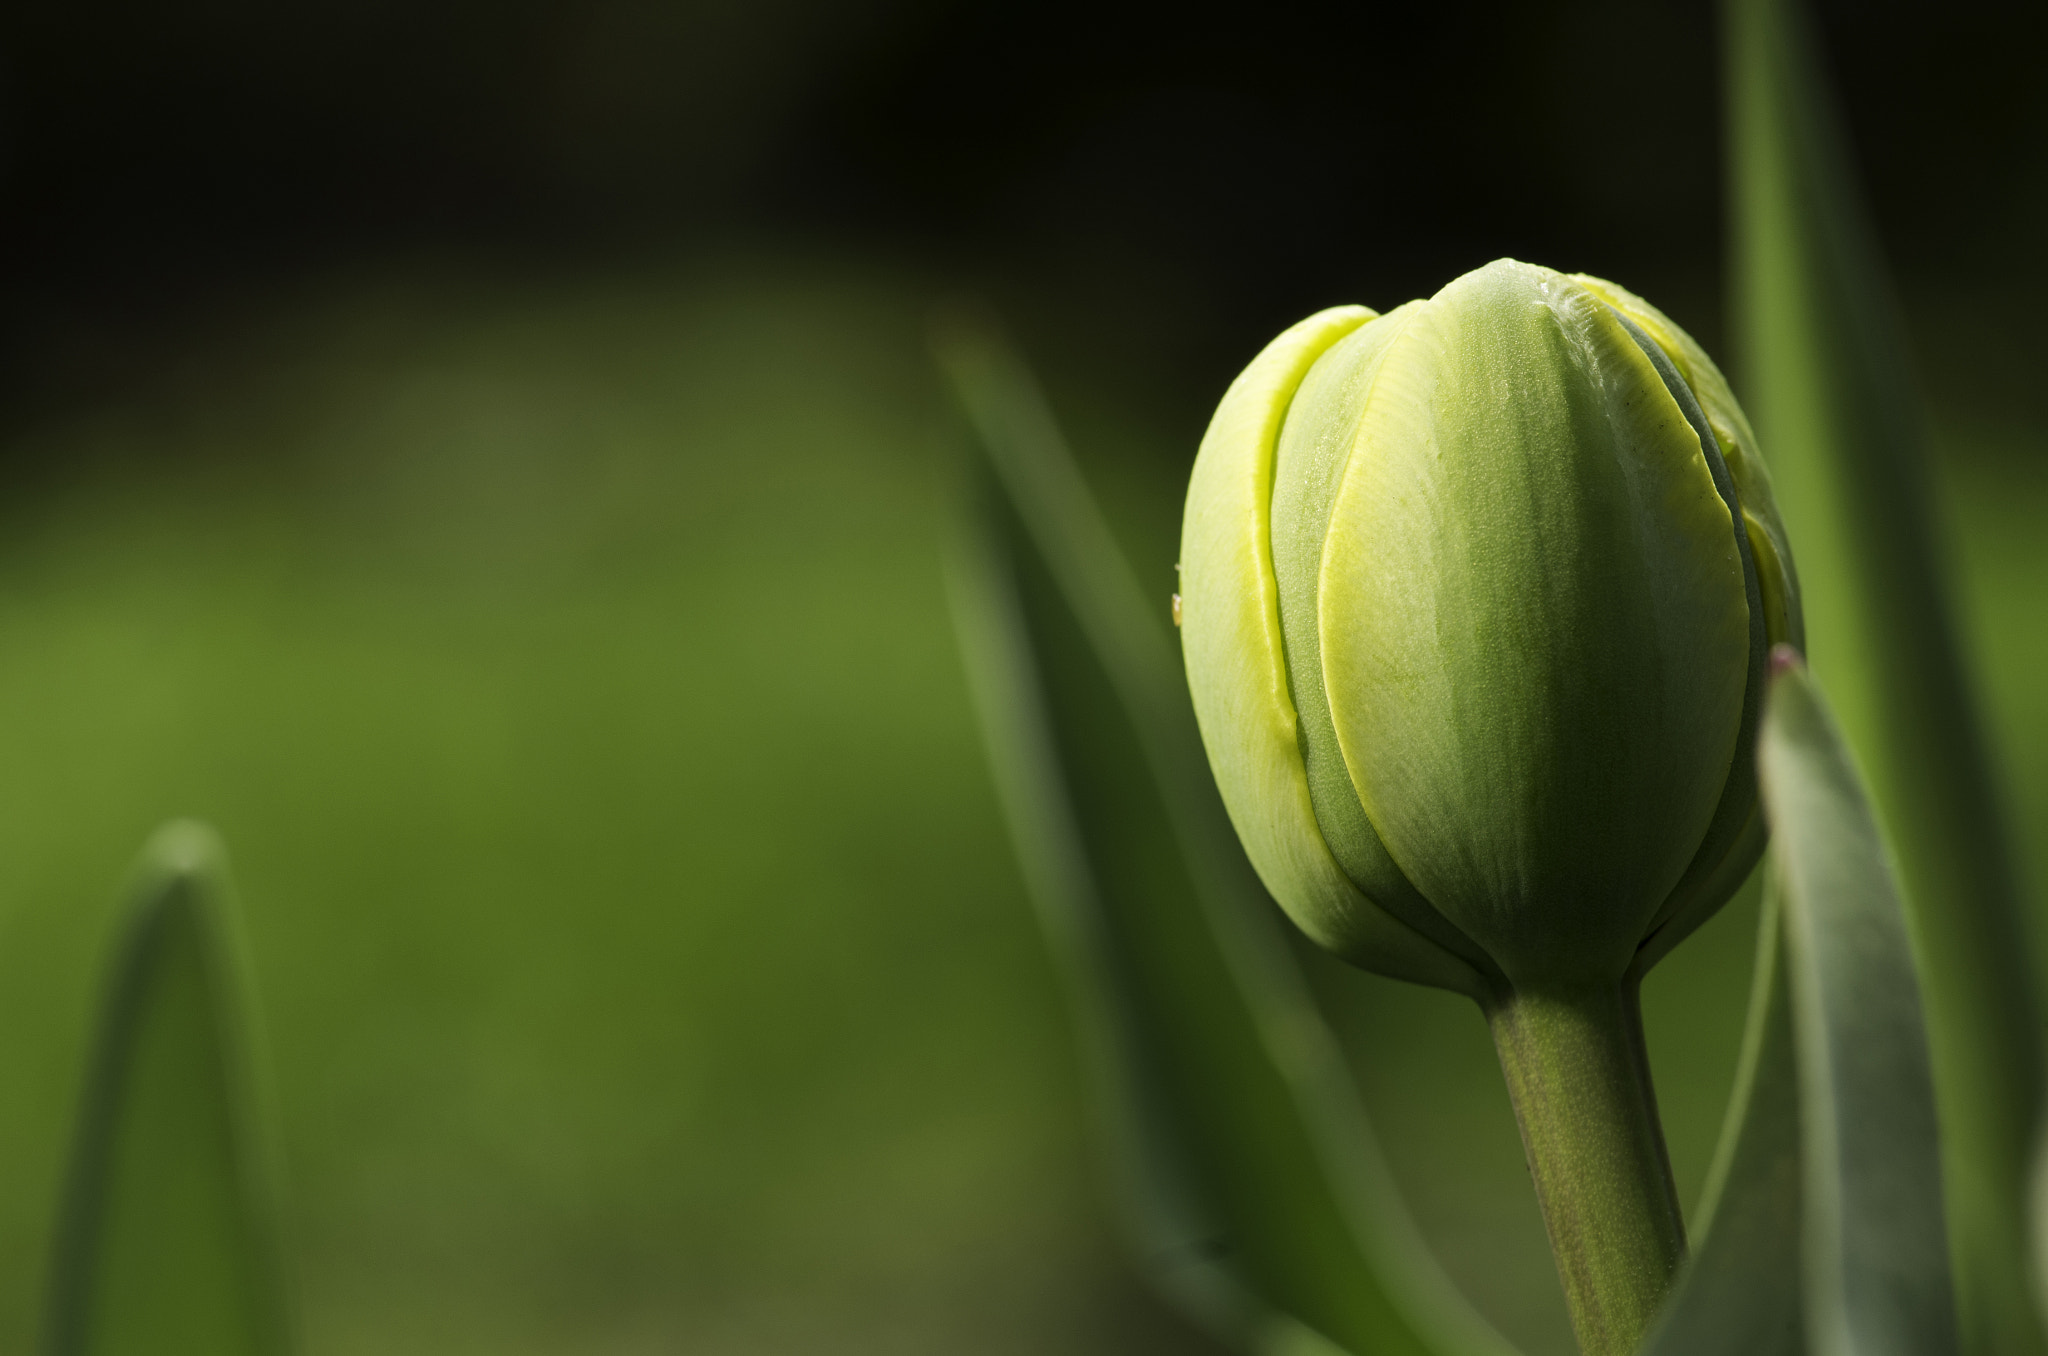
[(1740, 1293), (165, 1243), (1254, 1186), (1823, 1228), (2038, 1198), (1831, 389), (1877, 1266)]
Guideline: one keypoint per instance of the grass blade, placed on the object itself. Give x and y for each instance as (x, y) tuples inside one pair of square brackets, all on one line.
[(1877, 1267), (165, 1244), (1260, 1195), (1833, 396)]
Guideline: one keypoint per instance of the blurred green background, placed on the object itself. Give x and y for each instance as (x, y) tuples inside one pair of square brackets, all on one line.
[(485, 460)]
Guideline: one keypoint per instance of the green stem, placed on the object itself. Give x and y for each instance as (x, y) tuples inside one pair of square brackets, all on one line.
[(1580, 1082)]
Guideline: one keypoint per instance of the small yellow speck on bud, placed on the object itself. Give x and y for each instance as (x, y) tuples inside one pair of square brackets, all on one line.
[(1176, 609)]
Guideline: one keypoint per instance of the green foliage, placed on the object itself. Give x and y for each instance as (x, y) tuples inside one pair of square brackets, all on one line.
[(1823, 1231), (1475, 611), (568, 667), (1255, 1190), (166, 1244), (1876, 1260), (1834, 399), (509, 630), (1824, 1228), (1740, 1295)]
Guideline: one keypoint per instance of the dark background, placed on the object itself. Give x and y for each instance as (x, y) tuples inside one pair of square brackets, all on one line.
[(1195, 181)]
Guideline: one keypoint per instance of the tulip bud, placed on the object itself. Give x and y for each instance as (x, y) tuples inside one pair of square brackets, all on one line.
[(1476, 598)]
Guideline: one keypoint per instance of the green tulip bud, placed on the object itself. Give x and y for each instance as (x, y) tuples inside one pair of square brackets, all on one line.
[(1476, 599)]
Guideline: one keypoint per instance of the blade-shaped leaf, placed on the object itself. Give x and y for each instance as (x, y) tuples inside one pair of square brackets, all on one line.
[(165, 1244), (1740, 1293), (1834, 400), (1822, 1228), (2038, 1197), (1877, 1265), (1259, 1194)]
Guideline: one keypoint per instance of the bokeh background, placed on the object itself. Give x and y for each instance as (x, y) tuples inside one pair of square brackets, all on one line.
[(484, 458)]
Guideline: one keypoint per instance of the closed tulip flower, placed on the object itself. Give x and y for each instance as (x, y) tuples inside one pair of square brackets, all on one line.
[(1476, 600)]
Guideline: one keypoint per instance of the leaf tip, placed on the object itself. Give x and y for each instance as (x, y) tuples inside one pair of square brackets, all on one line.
[(184, 847)]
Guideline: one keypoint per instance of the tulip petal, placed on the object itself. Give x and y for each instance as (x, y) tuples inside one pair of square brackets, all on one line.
[(1314, 450), (1783, 623), (1535, 634), (1237, 668), (1735, 838)]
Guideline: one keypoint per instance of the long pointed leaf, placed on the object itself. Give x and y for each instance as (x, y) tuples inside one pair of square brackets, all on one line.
[(1177, 1234), (1258, 1180), (1877, 1265), (1833, 396), (1740, 1294), (1823, 1228), (165, 1245)]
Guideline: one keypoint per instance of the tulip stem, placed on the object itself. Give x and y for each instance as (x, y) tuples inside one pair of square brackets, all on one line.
[(1579, 1076)]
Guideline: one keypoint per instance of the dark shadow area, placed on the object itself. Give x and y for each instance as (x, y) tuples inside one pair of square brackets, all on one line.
[(1181, 185)]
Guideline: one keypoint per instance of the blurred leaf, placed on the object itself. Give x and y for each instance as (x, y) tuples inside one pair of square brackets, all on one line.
[(165, 1245), (1877, 1265), (2038, 1199), (1253, 1180), (1833, 396), (1739, 1295)]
